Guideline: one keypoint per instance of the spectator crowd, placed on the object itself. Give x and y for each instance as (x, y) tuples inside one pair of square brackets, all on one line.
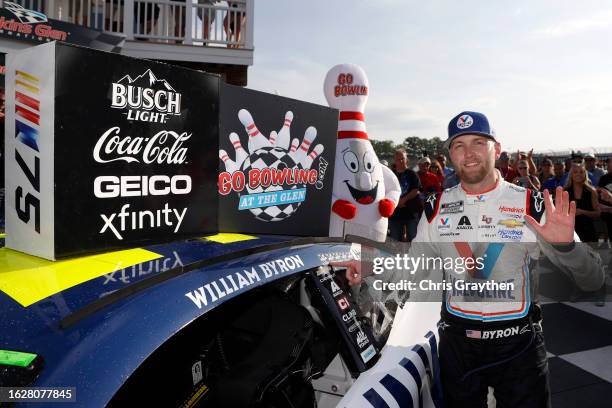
[(588, 181)]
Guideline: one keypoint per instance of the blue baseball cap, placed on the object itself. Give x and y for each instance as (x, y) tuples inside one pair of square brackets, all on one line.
[(469, 123)]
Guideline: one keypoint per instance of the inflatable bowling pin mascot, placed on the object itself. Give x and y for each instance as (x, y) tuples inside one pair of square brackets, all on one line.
[(365, 192)]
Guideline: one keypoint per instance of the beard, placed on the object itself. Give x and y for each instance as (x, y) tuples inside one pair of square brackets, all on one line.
[(474, 176)]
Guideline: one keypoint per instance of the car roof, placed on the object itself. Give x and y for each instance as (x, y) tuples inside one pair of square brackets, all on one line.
[(86, 315)]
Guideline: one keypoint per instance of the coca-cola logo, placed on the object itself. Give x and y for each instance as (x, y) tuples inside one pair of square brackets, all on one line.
[(164, 147)]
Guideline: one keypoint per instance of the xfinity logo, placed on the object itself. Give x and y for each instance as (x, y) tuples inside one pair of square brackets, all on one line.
[(147, 98)]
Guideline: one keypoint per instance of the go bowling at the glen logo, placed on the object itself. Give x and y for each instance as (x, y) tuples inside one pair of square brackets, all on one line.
[(274, 172)]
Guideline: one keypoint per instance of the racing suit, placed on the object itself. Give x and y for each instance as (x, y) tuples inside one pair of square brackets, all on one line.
[(493, 337)]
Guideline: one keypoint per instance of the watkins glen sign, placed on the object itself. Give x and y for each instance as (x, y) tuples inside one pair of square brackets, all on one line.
[(18, 23)]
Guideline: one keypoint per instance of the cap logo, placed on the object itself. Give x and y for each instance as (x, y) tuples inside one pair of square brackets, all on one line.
[(465, 121)]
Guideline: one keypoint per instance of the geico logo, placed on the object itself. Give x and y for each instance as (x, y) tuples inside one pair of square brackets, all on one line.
[(145, 98), (138, 186)]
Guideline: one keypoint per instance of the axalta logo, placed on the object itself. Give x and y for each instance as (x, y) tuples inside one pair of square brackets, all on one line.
[(464, 223), (465, 121), (146, 98), (346, 87), (511, 210)]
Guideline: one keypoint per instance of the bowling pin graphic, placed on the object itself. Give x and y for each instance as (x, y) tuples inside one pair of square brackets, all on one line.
[(256, 139), (273, 138), (302, 151), (241, 154), (284, 135), (307, 162), (230, 165)]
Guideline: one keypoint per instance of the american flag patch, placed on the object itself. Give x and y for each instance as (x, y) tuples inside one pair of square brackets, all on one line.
[(474, 334)]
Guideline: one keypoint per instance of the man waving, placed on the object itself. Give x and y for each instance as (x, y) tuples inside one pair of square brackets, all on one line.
[(494, 338)]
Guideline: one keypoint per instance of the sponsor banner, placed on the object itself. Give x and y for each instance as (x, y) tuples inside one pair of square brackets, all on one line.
[(116, 151), (356, 332), (275, 164), (21, 24)]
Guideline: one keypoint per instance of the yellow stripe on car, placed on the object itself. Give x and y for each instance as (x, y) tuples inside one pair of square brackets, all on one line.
[(227, 238), (28, 279)]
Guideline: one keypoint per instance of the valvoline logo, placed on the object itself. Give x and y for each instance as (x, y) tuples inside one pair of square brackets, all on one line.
[(444, 223), (465, 121)]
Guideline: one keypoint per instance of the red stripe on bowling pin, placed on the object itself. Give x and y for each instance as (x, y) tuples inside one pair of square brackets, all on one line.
[(230, 166), (309, 136), (284, 135), (294, 145), (318, 149), (256, 139), (241, 154)]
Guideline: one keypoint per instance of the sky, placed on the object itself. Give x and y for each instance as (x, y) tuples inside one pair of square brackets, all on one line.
[(540, 70)]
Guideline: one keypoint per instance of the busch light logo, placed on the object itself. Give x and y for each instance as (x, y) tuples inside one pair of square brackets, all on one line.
[(271, 177), (465, 121), (146, 98)]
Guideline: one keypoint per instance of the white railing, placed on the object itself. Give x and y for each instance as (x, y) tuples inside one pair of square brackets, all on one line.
[(192, 22)]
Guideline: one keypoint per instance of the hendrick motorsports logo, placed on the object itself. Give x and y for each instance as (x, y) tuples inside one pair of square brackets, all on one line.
[(274, 172), (147, 98)]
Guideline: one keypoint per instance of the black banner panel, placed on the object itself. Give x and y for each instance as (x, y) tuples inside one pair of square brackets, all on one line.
[(106, 151), (276, 161), (21, 24)]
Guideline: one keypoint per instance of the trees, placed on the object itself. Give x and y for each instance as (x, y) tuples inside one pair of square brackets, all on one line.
[(415, 147)]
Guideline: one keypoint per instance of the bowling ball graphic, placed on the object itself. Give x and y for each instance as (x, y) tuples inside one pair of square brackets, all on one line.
[(272, 158)]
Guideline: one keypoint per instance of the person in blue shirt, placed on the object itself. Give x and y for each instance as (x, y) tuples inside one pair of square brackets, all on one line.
[(555, 181), (408, 210)]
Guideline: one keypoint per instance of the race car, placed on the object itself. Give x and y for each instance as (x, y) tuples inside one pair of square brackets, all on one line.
[(229, 320)]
